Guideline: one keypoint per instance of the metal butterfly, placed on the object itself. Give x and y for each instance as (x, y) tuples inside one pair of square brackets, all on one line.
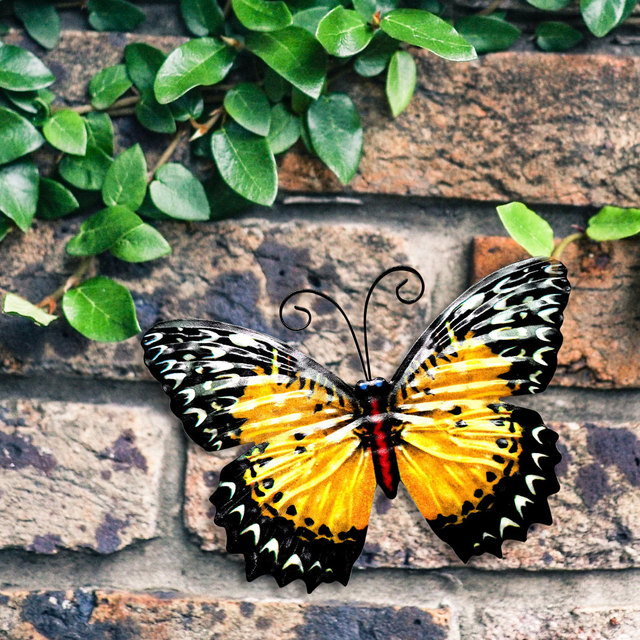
[(297, 504)]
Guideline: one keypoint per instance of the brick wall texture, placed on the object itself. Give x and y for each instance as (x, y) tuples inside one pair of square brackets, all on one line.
[(106, 529)]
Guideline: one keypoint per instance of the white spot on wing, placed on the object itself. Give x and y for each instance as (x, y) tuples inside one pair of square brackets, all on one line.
[(255, 529), (521, 501), (507, 522), (294, 559), (530, 480), (201, 413), (243, 340), (271, 546)]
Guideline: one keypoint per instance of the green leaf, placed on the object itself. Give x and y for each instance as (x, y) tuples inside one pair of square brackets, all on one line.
[(101, 309), (14, 305), (603, 15), (35, 103), (487, 33), (142, 62), (65, 130), (284, 131), (343, 32), (154, 116), (20, 70), (557, 36), (300, 101), (275, 86), (99, 232), (375, 58), (190, 105), (55, 200), (125, 182), (224, 201), (612, 223), (527, 228), (202, 61), (88, 171), (18, 135), (114, 15), (246, 163), (262, 15), (19, 184), (550, 5), (108, 85), (249, 106), (366, 8), (309, 19), (179, 194), (202, 17), (40, 19), (140, 244), (5, 227), (401, 81), (336, 134), (293, 53), (100, 131), (423, 29)]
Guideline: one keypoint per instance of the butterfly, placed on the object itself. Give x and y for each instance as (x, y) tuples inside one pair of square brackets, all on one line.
[(297, 503)]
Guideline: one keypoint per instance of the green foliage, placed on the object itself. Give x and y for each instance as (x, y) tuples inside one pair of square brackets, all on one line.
[(336, 134), (401, 82), (612, 223), (294, 50), (101, 309), (487, 33), (527, 228), (14, 305), (557, 36)]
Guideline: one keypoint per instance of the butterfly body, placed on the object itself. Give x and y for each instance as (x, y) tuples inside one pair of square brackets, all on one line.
[(297, 503)]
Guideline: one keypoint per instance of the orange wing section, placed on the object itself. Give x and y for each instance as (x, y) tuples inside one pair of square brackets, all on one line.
[(298, 506)]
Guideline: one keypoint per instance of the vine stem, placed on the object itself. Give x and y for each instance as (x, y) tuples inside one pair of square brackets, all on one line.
[(490, 8), (565, 242), (51, 301), (202, 129), (167, 153)]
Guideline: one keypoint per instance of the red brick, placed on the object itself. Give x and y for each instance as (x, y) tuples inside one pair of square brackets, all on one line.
[(581, 623), (596, 513), (79, 476), (98, 615), (232, 271), (601, 347)]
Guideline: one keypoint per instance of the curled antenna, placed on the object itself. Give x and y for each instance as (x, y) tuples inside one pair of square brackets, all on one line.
[(306, 311), (410, 300), (366, 368)]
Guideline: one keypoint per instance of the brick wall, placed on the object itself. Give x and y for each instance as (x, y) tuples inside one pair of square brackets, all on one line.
[(106, 529)]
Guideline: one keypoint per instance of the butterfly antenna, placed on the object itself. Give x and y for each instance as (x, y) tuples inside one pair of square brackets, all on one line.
[(306, 311), (410, 300)]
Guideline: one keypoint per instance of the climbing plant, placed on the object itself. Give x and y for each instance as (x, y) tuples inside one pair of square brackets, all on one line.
[(257, 77)]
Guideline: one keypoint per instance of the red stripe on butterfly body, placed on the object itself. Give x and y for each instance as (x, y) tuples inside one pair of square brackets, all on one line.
[(382, 449)]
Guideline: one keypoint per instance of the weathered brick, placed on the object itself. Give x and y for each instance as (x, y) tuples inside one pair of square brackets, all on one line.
[(601, 328), (98, 615), (581, 623), (77, 475), (460, 137), (596, 513), (235, 272)]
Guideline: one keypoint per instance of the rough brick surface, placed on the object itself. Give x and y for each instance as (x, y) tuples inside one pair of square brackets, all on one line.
[(606, 623), (602, 324), (235, 272), (98, 615), (492, 129), (78, 476), (596, 513)]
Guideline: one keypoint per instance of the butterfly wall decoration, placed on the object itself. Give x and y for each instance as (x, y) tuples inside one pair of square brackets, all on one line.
[(297, 504)]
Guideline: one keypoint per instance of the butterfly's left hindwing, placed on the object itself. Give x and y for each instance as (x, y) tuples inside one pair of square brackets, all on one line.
[(479, 470), (297, 505)]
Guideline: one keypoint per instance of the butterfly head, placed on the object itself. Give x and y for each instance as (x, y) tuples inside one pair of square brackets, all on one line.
[(376, 388)]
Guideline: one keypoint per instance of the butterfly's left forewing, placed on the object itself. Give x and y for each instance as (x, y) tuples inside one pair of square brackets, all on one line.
[(481, 470), (297, 505)]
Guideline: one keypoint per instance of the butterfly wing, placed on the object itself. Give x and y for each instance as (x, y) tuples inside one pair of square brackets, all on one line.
[(480, 470), (297, 504)]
